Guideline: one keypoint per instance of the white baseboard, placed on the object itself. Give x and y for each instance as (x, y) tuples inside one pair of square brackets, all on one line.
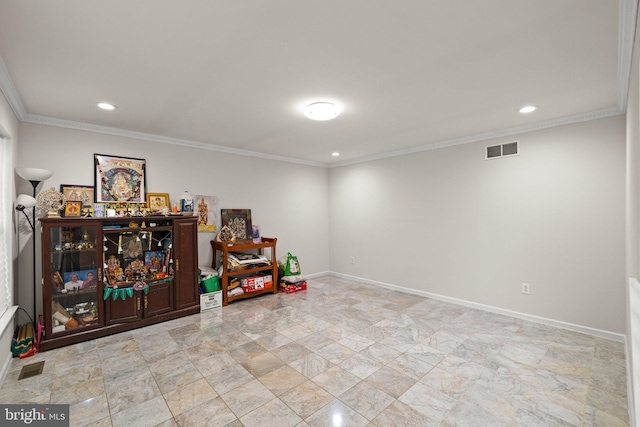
[(537, 319)]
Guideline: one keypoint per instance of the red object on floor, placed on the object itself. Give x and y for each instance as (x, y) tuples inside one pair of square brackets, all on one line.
[(28, 353), (290, 288)]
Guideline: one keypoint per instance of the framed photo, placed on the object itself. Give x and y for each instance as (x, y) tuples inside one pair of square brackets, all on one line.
[(82, 279), (239, 221), (133, 245), (156, 202), (78, 193), (119, 179), (57, 283), (73, 208)]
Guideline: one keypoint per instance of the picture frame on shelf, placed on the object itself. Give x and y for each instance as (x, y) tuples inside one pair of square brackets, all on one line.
[(133, 245), (81, 193), (86, 278), (73, 208), (57, 283), (119, 179), (157, 202), (153, 260), (99, 210), (239, 221)]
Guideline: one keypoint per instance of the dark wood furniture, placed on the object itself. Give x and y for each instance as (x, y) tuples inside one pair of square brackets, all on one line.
[(221, 257), (163, 250)]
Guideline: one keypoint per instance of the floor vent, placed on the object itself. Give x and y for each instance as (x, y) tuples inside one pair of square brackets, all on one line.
[(31, 370), (502, 150)]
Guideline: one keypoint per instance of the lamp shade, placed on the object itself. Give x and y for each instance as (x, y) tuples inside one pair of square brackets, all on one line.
[(34, 174), (24, 201)]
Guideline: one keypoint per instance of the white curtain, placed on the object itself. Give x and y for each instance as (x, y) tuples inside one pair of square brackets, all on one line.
[(6, 208)]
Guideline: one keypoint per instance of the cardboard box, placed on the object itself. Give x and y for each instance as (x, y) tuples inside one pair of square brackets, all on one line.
[(210, 300), (252, 284), (256, 283)]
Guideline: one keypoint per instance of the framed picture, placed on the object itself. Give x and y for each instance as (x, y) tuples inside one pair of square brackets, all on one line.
[(133, 245), (206, 210), (119, 179), (99, 210), (78, 193), (57, 283), (82, 279), (156, 202), (153, 260), (239, 221), (73, 208)]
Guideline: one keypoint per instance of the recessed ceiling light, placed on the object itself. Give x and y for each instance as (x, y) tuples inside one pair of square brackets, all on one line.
[(106, 106), (528, 109), (335, 154), (322, 111)]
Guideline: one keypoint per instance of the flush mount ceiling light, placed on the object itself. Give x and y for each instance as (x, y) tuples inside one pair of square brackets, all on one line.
[(528, 109), (106, 106), (322, 111), (335, 154)]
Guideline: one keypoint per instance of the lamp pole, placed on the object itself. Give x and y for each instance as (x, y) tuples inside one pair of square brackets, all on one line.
[(33, 252), (35, 176)]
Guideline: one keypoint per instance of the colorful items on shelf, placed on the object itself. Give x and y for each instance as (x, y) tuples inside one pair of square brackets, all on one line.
[(124, 293)]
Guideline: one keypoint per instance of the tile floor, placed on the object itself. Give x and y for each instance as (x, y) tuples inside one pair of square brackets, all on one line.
[(341, 353)]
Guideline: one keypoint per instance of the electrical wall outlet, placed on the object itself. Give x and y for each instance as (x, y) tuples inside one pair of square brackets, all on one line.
[(525, 289), (353, 260)]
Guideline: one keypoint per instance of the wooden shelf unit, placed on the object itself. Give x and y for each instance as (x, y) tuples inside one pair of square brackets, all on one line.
[(245, 246), (85, 244)]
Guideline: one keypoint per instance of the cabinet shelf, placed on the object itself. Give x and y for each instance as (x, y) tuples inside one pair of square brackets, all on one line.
[(153, 282), (134, 230), (246, 271), (225, 248), (72, 251)]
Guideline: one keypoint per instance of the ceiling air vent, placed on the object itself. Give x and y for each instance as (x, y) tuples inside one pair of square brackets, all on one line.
[(502, 150)]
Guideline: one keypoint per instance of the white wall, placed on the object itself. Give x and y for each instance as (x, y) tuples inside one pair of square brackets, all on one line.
[(289, 201), (444, 221), (450, 223)]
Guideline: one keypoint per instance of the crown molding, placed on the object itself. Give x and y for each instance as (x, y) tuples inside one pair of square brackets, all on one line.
[(488, 135), (88, 127), (10, 93), (626, 38)]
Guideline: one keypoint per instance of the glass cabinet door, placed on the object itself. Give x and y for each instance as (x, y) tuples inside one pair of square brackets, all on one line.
[(75, 272)]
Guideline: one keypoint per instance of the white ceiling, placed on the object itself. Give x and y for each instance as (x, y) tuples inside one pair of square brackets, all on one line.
[(234, 75)]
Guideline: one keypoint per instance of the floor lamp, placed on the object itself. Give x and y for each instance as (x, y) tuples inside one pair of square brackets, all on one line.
[(35, 176)]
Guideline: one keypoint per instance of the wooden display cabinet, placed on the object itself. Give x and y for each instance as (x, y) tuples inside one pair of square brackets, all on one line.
[(107, 275), (221, 252)]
